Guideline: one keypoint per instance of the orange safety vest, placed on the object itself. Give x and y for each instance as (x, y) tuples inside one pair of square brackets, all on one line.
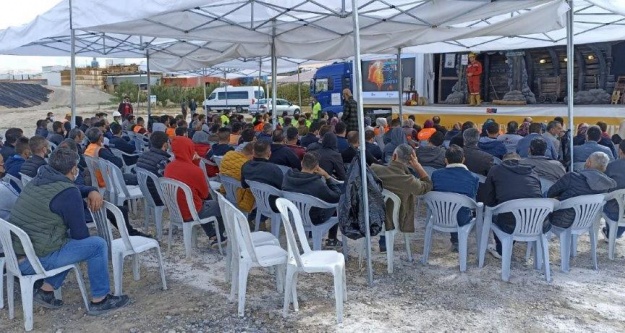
[(93, 150), (425, 134)]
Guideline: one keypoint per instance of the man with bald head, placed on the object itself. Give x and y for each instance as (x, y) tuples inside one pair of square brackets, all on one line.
[(350, 111)]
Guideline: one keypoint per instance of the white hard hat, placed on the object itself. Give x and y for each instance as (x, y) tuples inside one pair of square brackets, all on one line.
[(117, 114)]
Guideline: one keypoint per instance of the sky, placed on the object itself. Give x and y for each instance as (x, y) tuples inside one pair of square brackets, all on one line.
[(15, 13)]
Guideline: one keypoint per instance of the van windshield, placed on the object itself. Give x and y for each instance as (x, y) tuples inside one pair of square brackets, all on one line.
[(212, 96), (259, 94)]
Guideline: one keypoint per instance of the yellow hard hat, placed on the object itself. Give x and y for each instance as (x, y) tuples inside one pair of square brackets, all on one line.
[(471, 54)]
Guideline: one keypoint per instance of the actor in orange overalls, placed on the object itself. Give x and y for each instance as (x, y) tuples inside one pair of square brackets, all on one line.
[(474, 72)]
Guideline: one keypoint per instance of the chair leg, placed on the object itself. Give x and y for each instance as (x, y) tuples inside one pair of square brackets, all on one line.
[(161, 267), (612, 239), (118, 272), (81, 286), (463, 235), (258, 218), (538, 258), (288, 285), (280, 273), (243, 272), (345, 249), (58, 293), (10, 295), (229, 258), (344, 283), (136, 268), (1, 283), (408, 250), (506, 257), (26, 287), (427, 243), (483, 243), (187, 235), (158, 221), (545, 248), (169, 238), (390, 244), (565, 247), (276, 220), (317, 237), (574, 245), (294, 292), (234, 277), (146, 215), (593, 246), (528, 250), (338, 294)]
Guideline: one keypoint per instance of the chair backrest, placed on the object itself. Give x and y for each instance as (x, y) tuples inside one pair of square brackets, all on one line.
[(13, 180), (262, 192), (110, 192), (243, 247), (388, 195), (52, 146), (444, 207), (116, 179), (290, 213), (142, 178), (619, 196), (545, 184), (304, 203), (121, 226), (171, 188), (578, 166), (284, 169), (496, 160), (481, 178), (92, 166), (25, 179), (587, 209), (529, 214), (103, 226), (217, 160), (429, 170), (227, 214), (6, 240), (231, 185)]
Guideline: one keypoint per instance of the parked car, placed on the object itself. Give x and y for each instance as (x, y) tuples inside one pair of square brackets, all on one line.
[(264, 105)]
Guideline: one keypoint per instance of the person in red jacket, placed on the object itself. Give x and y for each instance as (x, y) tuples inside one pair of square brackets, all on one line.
[(184, 169), (474, 72)]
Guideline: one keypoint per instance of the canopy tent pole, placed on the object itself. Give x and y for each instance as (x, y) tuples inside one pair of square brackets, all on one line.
[(204, 85), (569, 75), (361, 137), (260, 73), (73, 66), (147, 62), (299, 88), (274, 78), (400, 85), (226, 83)]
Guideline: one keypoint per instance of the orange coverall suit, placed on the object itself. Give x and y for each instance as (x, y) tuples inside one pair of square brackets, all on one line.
[(475, 69)]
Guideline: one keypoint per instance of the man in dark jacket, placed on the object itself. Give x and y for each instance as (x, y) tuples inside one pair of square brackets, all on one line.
[(616, 171), (118, 142), (341, 136), (39, 149), (352, 151), (10, 136), (544, 167), (330, 159), (58, 133), (312, 136), (281, 154), (490, 144), (591, 180), (433, 154), (509, 181), (350, 111), (155, 160), (593, 136), (535, 131), (223, 146), (476, 160), (456, 178), (314, 181), (372, 146), (15, 162), (259, 169), (291, 142)]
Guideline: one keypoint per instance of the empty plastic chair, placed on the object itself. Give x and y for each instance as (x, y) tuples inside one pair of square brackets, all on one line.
[(619, 196), (14, 181), (231, 186), (7, 232), (117, 189), (443, 208), (308, 261), (125, 246), (170, 188), (587, 211), (151, 210), (125, 168), (25, 179), (262, 193), (530, 215)]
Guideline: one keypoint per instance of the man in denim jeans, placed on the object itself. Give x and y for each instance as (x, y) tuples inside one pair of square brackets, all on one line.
[(50, 206)]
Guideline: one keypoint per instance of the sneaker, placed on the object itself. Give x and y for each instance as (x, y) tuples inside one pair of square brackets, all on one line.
[(109, 303), (604, 231), (215, 243), (333, 243), (492, 249), (135, 232), (454, 247), (47, 299)]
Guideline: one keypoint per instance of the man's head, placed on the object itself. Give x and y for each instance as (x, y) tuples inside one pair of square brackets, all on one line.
[(38, 146), (65, 161), (352, 138), (436, 139), (492, 129), (324, 129), (287, 121), (347, 93), (512, 127), (236, 127), (454, 155), (262, 149), (597, 161), (302, 130), (159, 140), (164, 119), (554, 128), (94, 135), (621, 149), (69, 143), (181, 131), (511, 156), (117, 116), (536, 128), (267, 128), (527, 120), (560, 120), (12, 134), (310, 162), (76, 134), (436, 120), (403, 153), (277, 136), (116, 129), (340, 129), (248, 135), (593, 133), (57, 127), (538, 147), (224, 135), (292, 134), (471, 136), (50, 115), (140, 121), (22, 148), (248, 150), (369, 135), (395, 123), (466, 125), (603, 126)]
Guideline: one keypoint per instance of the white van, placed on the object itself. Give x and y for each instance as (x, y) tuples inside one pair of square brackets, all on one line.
[(233, 98)]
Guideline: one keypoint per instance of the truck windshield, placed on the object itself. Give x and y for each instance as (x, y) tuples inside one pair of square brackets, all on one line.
[(321, 85)]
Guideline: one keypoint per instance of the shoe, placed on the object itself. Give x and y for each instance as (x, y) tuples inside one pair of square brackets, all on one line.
[(135, 232), (215, 243), (109, 303), (333, 243), (492, 249), (47, 299), (454, 247), (604, 231), (382, 247)]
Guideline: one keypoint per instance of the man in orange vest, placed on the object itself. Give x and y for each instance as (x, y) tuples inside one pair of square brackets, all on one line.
[(474, 72)]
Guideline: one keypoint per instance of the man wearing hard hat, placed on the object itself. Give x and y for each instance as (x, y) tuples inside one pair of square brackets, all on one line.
[(474, 72), (117, 117)]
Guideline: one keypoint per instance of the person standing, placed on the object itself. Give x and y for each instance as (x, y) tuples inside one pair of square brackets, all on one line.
[(192, 106), (183, 109), (316, 109), (474, 72), (125, 108), (350, 109)]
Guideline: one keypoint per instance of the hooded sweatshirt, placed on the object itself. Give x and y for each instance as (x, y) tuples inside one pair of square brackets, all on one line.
[(492, 146), (283, 155), (573, 184), (183, 169), (330, 159), (397, 137), (316, 186), (431, 156)]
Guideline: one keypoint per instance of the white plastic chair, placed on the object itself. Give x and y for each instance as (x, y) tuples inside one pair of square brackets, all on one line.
[(545, 185), (7, 230), (261, 193), (13, 180), (619, 196), (480, 178), (170, 188), (579, 166), (259, 238), (125, 246), (94, 166), (429, 170), (25, 179), (496, 160), (231, 186), (217, 160), (530, 215), (142, 143), (117, 189), (308, 261), (118, 153), (443, 210), (251, 255), (284, 169), (587, 211), (151, 210), (52, 146)]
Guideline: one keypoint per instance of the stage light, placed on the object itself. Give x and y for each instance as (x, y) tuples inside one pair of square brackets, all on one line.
[(542, 61), (566, 59), (591, 57)]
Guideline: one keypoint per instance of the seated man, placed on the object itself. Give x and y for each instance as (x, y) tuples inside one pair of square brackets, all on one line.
[(155, 160), (591, 180), (433, 154), (372, 146), (184, 170), (49, 207), (475, 159), (96, 148), (593, 136), (139, 127), (312, 136), (341, 136), (223, 146), (8, 195), (456, 178), (397, 178), (511, 138), (352, 151), (118, 142), (231, 166), (10, 137), (292, 135), (161, 124), (535, 131), (544, 167), (39, 149), (490, 144), (15, 162), (507, 181), (281, 154), (58, 133), (261, 170), (616, 171), (314, 181), (265, 135)]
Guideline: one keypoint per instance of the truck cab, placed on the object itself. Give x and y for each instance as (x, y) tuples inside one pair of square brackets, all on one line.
[(328, 83)]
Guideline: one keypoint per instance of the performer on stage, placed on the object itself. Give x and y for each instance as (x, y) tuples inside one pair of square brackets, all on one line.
[(474, 72)]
